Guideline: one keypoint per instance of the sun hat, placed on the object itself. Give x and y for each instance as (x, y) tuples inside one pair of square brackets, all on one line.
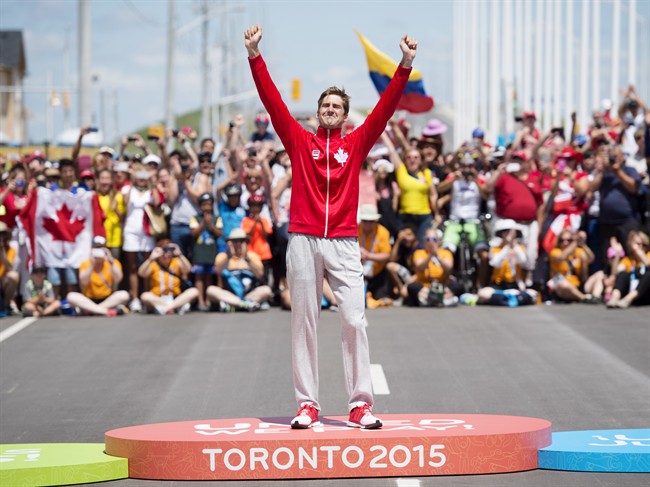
[(383, 163), (237, 234), (434, 127), (368, 213)]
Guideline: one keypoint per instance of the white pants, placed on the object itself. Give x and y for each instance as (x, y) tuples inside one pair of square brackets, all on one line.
[(309, 260)]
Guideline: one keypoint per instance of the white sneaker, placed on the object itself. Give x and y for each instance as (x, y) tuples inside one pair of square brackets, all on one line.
[(135, 305), (361, 417), (184, 309), (160, 309)]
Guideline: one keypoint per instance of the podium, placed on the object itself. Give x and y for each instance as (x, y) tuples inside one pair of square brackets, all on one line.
[(267, 448)]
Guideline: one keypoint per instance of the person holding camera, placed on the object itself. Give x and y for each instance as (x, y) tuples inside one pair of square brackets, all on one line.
[(507, 259), (620, 197), (137, 242), (433, 265), (99, 278), (169, 290), (206, 228), (240, 273)]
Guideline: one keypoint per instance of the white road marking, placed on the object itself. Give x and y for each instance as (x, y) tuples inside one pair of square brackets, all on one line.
[(408, 483), (13, 329), (378, 379)]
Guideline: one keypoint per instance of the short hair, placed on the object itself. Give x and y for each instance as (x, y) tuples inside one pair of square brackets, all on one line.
[(335, 90), (66, 162)]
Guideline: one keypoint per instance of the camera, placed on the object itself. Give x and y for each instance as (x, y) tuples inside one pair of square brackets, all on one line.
[(185, 168), (231, 125), (153, 137), (175, 133), (168, 248), (131, 139), (612, 160), (92, 129)]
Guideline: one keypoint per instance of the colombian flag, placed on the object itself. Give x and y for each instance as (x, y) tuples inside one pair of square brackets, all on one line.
[(381, 67)]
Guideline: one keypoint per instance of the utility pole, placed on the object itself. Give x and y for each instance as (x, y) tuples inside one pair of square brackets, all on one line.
[(206, 128), (84, 64), (170, 118)]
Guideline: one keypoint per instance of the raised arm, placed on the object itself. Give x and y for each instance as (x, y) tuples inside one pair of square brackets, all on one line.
[(284, 124)]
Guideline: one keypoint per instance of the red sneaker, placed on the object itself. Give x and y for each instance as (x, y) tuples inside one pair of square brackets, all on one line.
[(361, 417), (306, 417)]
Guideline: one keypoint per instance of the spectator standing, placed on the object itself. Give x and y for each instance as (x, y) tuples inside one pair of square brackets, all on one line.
[(258, 229), (206, 228), (137, 243), (111, 202), (620, 197)]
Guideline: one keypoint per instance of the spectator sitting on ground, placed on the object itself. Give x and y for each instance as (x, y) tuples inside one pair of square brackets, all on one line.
[(632, 280), (374, 246), (8, 276), (433, 265), (507, 258), (569, 267), (38, 295), (239, 272), (400, 267), (164, 269), (99, 277)]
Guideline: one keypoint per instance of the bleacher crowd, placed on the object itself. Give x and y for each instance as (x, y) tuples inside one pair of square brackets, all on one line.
[(552, 217)]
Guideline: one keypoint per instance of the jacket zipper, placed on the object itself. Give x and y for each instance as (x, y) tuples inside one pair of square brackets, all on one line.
[(327, 200)]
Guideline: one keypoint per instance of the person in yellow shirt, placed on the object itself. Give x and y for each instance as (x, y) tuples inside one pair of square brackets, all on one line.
[(569, 266), (8, 276), (165, 267), (99, 277), (507, 258), (374, 245), (112, 204), (433, 266)]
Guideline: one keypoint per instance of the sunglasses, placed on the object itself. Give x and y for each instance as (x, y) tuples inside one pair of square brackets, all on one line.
[(431, 239), (566, 240)]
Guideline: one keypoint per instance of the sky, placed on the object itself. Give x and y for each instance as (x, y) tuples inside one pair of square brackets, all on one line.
[(311, 40)]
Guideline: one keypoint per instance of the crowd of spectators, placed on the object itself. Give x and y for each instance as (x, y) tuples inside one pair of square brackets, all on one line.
[(552, 217)]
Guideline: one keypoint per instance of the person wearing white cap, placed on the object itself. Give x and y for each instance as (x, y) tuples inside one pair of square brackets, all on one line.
[(239, 272), (323, 227), (99, 277), (374, 245), (507, 259)]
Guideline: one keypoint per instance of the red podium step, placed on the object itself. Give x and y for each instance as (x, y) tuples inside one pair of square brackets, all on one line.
[(267, 448)]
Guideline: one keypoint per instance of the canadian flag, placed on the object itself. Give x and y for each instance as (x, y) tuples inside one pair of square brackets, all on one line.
[(61, 225)]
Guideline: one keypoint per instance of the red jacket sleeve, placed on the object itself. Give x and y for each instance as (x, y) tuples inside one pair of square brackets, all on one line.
[(284, 124), (376, 122)]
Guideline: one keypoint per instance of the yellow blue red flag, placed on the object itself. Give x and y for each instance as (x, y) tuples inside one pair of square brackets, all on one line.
[(381, 68)]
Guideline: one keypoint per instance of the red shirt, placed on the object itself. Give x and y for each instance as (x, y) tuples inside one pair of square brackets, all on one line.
[(12, 206), (517, 199), (325, 165)]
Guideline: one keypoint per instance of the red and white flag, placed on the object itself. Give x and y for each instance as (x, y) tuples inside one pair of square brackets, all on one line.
[(61, 225)]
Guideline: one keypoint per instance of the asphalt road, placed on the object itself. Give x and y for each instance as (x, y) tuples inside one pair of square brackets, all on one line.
[(580, 367)]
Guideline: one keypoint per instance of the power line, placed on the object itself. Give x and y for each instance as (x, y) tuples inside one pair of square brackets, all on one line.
[(139, 14)]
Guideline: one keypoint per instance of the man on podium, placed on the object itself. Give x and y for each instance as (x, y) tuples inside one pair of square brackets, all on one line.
[(323, 229)]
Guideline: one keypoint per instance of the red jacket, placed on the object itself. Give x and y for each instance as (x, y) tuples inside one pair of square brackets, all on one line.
[(325, 166)]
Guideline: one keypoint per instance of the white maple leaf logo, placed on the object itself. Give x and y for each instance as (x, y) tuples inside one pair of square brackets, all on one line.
[(341, 156)]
